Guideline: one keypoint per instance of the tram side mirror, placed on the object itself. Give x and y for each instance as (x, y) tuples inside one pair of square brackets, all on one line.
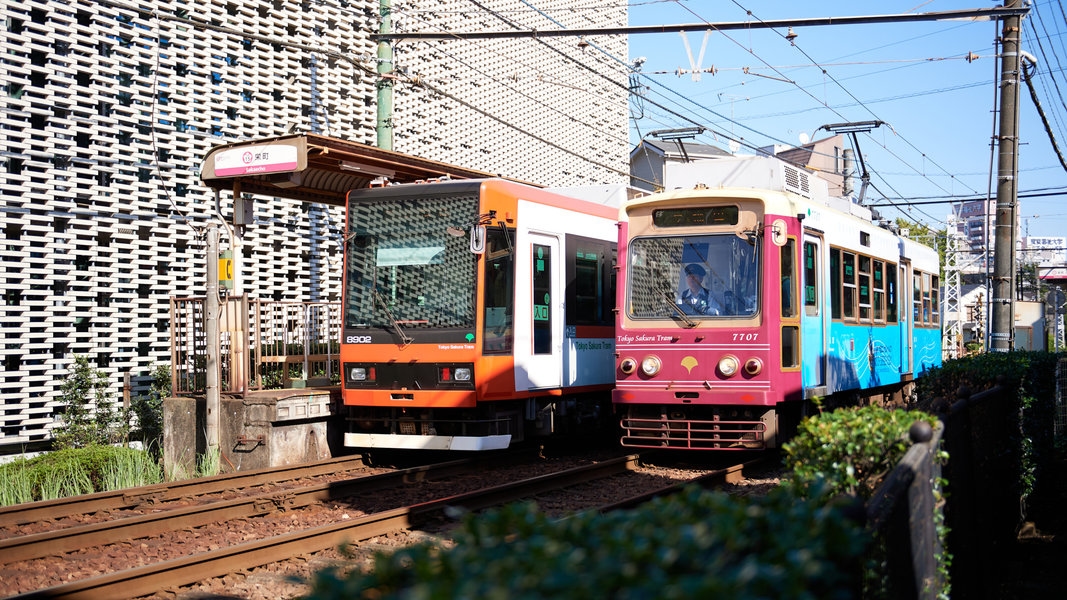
[(478, 239)]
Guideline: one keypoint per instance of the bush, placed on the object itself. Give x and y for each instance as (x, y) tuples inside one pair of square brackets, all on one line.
[(849, 450), (697, 544)]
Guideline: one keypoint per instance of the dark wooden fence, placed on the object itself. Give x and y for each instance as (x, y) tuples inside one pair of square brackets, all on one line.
[(981, 502)]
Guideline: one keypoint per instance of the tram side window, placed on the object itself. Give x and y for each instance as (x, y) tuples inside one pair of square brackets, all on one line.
[(848, 272), (864, 288), (499, 293), (917, 297), (935, 301), (878, 300), (811, 284), (590, 281), (928, 300), (835, 283), (789, 307)]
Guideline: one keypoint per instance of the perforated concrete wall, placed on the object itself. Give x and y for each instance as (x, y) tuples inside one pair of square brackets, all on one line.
[(110, 107)]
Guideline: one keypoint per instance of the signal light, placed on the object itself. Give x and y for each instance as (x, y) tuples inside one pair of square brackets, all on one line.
[(753, 366)]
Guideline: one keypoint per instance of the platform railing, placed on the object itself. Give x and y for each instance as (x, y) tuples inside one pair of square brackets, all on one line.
[(262, 345)]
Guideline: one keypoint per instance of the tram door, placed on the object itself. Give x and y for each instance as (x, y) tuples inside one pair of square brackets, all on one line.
[(539, 358), (813, 319), (905, 310)]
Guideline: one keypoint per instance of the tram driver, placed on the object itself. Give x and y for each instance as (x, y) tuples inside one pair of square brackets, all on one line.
[(696, 299)]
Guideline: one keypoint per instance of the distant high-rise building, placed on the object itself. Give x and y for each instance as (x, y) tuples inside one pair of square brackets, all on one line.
[(975, 221)]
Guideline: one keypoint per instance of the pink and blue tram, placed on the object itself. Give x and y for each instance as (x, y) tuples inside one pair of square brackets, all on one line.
[(802, 296)]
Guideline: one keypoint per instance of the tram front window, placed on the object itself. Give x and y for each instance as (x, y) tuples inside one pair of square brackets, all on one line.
[(703, 276), (403, 267)]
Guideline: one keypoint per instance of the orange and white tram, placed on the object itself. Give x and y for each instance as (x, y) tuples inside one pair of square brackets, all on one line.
[(477, 313)]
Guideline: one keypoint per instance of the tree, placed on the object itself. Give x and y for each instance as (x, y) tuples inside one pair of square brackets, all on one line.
[(89, 415), (937, 239), (149, 409)]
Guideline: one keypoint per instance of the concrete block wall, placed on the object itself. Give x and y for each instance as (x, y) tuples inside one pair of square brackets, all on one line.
[(110, 106)]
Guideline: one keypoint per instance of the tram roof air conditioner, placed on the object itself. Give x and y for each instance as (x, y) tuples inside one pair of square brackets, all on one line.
[(761, 172)]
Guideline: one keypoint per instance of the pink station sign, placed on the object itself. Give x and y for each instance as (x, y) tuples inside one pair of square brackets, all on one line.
[(273, 158)]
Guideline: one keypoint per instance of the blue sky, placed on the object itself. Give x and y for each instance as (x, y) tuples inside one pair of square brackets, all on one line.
[(916, 77)]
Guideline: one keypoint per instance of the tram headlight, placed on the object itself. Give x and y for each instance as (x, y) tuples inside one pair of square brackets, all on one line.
[(728, 365), (753, 366), (463, 373), (357, 374), (651, 365), (628, 365)]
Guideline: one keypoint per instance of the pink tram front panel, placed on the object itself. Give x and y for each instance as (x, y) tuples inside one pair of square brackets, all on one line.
[(707, 337)]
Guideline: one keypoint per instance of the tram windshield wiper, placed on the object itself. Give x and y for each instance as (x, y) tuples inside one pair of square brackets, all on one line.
[(669, 301), (396, 323)]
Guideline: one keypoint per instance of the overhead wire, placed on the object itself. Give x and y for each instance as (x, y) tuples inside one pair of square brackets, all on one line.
[(802, 88)]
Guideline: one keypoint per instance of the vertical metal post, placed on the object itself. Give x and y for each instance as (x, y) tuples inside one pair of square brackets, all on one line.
[(211, 333), (385, 78), (1003, 301)]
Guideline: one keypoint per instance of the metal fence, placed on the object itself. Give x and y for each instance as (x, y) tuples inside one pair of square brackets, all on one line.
[(262, 345)]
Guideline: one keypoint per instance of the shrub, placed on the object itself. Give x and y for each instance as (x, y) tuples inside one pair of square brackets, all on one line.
[(849, 450), (697, 544)]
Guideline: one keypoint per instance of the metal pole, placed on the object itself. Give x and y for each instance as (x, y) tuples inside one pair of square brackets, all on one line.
[(211, 333), (385, 77), (1003, 302)]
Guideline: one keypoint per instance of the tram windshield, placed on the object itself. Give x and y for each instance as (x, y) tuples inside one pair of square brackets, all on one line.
[(692, 277), (409, 264)]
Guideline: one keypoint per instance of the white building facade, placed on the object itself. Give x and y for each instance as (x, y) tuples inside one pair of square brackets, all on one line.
[(110, 107)]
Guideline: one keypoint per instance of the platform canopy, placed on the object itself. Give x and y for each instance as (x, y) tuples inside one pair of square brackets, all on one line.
[(315, 168)]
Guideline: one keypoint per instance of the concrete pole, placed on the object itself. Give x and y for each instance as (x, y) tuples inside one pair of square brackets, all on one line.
[(1003, 285), (385, 78), (211, 335), (846, 170)]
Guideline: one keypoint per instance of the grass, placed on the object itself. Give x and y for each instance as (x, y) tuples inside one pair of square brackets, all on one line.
[(76, 471)]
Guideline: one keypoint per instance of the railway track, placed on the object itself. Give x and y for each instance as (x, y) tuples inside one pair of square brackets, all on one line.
[(156, 495), (171, 574)]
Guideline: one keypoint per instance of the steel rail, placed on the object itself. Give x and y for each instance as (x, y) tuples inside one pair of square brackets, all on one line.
[(150, 579), (31, 512), (708, 481), (97, 534)]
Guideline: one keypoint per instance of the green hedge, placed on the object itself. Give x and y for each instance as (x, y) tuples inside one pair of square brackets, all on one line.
[(697, 544), (1028, 405), (849, 450)]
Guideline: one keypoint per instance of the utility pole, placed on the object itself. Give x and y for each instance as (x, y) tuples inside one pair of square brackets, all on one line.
[(1002, 338), (385, 77), (211, 335)]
